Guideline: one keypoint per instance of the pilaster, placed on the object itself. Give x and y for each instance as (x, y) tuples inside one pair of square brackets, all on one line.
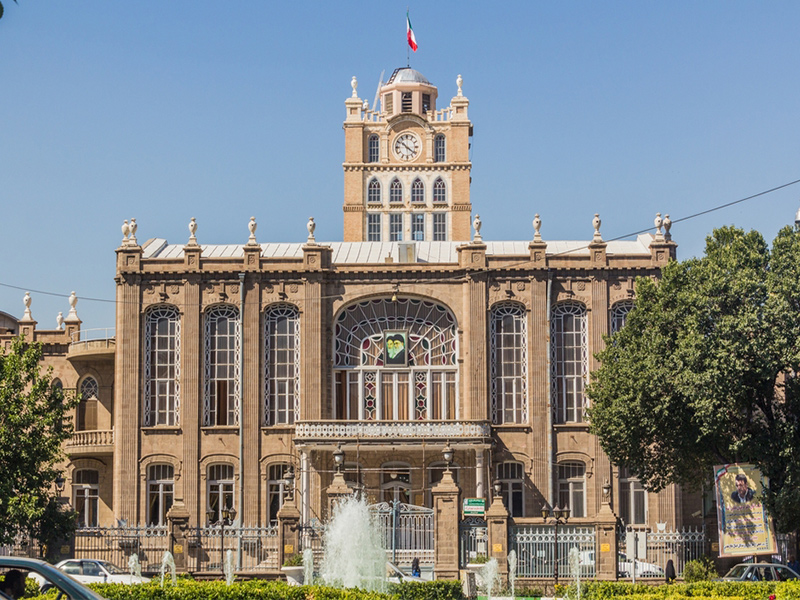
[(187, 488), (313, 370), (446, 512), (497, 521), (251, 394)]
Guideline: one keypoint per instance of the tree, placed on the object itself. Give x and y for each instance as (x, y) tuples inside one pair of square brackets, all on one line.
[(1, 9), (33, 427), (704, 371)]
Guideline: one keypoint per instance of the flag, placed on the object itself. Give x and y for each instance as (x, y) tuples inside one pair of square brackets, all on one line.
[(412, 41)]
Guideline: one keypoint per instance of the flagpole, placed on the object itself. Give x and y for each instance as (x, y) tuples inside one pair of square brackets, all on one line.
[(408, 46)]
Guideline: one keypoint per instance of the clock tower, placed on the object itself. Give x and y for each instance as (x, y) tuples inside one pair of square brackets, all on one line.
[(407, 168)]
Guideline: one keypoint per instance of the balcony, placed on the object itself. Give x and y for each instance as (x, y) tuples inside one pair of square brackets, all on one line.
[(388, 431), (95, 344), (90, 443)]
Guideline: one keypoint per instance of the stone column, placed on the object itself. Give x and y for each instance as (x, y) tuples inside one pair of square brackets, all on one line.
[(178, 521), (337, 492), (480, 475), (288, 530), (187, 488), (497, 522), (606, 538), (446, 514)]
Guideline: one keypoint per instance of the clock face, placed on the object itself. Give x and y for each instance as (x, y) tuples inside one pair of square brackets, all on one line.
[(406, 146)]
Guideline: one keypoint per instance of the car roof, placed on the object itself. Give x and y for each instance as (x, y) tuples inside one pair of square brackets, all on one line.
[(77, 590)]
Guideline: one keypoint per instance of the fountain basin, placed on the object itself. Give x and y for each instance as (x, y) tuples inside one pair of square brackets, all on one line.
[(294, 575)]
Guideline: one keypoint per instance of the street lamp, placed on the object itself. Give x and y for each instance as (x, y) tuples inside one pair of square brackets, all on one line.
[(288, 480), (60, 481), (228, 514), (338, 458), (558, 516), (448, 453)]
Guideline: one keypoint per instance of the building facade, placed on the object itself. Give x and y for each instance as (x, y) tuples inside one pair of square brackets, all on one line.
[(233, 365)]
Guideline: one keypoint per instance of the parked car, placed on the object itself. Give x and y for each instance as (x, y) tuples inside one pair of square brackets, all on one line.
[(50, 576), (643, 569), (93, 571), (759, 572)]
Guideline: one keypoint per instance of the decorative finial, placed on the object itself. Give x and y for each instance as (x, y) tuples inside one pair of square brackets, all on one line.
[(354, 85), (596, 224), (126, 229), (73, 301), (311, 226), (459, 83), (658, 222), (60, 320), (133, 228), (537, 225), (252, 227), (192, 231), (476, 223), (26, 300), (667, 226), (365, 106)]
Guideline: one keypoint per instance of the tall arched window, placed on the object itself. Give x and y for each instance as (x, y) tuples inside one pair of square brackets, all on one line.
[(374, 192), (160, 489), (509, 364), (632, 499), (369, 382), (374, 152), (220, 489), (439, 191), (396, 482), (571, 487), (417, 191), (162, 364), (223, 338), (87, 407), (282, 365), (511, 476), (619, 313), (86, 495), (277, 490), (396, 192), (439, 149), (569, 358)]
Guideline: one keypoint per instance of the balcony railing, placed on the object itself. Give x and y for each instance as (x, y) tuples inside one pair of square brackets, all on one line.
[(93, 340), (91, 439), (392, 429)]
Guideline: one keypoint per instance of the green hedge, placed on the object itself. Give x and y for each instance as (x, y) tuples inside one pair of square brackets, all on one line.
[(187, 589), (701, 590)]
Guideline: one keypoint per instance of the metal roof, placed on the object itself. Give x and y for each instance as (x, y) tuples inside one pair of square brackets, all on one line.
[(407, 75)]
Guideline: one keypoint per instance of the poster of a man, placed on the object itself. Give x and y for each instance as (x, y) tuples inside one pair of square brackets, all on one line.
[(743, 493), (395, 349)]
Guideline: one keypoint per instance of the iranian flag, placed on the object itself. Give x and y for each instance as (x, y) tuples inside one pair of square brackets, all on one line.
[(412, 41)]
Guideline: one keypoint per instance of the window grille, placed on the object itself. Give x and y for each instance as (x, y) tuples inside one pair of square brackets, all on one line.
[(619, 314), (162, 365), (417, 191), (439, 191), (374, 149), (569, 357), (396, 192), (222, 348), (439, 149), (374, 192), (282, 365), (509, 364)]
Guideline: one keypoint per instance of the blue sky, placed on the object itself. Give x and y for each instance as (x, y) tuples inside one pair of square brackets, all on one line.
[(165, 111)]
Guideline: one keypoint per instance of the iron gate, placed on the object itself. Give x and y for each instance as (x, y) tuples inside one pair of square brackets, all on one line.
[(473, 539), (407, 531)]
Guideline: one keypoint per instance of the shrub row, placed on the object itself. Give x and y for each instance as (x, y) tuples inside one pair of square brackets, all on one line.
[(733, 590)]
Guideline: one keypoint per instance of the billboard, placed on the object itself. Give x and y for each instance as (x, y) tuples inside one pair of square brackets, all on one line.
[(744, 527)]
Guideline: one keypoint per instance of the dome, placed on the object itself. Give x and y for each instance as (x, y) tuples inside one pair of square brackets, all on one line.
[(407, 75)]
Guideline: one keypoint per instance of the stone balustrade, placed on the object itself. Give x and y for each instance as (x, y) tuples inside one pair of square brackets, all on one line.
[(450, 430)]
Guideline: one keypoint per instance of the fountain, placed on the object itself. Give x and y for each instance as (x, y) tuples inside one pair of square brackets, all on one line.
[(354, 553), (575, 567), (167, 562), (308, 566), (134, 565), (229, 567), (489, 575), (512, 571)]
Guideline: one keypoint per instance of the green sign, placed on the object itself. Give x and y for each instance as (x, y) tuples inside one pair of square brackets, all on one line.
[(474, 507)]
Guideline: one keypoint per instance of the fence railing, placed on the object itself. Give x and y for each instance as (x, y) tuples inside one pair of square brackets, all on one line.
[(407, 532), (117, 544), (473, 540), (680, 546), (254, 548), (536, 550)]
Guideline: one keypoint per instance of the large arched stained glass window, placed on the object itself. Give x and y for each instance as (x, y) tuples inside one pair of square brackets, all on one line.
[(376, 381), (162, 366)]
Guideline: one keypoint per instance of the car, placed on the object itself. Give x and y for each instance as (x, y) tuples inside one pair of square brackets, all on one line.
[(90, 570), (624, 566), (759, 572), (52, 577)]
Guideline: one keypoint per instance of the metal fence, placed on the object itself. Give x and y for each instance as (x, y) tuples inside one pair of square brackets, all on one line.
[(407, 531), (117, 544), (254, 548), (473, 540), (537, 553), (649, 551)]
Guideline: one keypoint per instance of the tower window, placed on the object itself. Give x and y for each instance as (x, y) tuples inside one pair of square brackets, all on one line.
[(426, 103), (388, 103), (406, 99), (417, 191), (374, 227), (396, 192), (439, 227), (374, 192), (395, 227), (418, 227), (439, 149), (374, 149), (439, 191)]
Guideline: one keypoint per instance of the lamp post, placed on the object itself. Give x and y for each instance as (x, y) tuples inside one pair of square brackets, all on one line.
[(558, 516), (228, 513), (448, 454), (288, 481), (338, 458), (60, 481)]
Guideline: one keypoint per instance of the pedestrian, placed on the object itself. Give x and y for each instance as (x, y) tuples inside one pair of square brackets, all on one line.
[(670, 571), (13, 585), (415, 567), (794, 564)]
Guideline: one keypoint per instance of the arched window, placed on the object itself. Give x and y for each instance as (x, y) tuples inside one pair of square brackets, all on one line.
[(417, 191), (220, 489), (396, 192), (421, 387), (632, 499), (374, 192), (509, 364), (374, 151), (511, 476), (86, 494), (160, 484), (87, 407), (396, 482), (223, 339), (277, 490), (569, 358), (162, 365), (439, 191), (439, 153), (571, 487), (619, 314), (282, 365)]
